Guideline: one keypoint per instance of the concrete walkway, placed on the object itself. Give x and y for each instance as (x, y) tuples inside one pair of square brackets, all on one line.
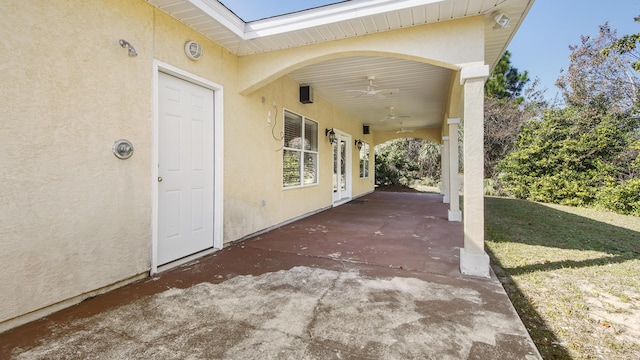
[(376, 278)]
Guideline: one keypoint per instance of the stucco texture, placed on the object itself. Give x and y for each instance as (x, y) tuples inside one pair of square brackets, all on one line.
[(74, 219)]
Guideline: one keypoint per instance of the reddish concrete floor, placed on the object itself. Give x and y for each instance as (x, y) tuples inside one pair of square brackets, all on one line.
[(382, 235)]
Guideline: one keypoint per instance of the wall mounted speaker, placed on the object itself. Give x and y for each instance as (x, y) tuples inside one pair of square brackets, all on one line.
[(306, 94), (365, 129)]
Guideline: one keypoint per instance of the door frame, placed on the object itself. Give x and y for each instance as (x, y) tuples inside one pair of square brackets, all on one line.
[(218, 162), (348, 166)]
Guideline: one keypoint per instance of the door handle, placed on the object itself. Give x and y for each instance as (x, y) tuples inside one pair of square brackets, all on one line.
[(159, 178)]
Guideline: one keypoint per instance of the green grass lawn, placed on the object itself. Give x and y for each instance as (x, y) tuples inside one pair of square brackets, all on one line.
[(573, 275)]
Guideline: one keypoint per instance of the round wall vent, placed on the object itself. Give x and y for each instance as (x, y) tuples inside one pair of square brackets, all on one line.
[(193, 50)]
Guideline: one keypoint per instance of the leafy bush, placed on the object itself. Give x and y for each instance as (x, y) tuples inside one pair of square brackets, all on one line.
[(570, 155), (624, 198), (403, 161)]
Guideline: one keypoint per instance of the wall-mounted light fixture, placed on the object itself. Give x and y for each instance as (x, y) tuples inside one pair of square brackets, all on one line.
[(359, 144), (502, 20), (122, 149), (331, 134), (132, 50), (193, 50)]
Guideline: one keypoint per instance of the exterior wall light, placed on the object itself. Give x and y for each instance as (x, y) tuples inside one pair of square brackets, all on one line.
[(331, 134), (122, 149), (359, 144), (502, 20), (132, 50)]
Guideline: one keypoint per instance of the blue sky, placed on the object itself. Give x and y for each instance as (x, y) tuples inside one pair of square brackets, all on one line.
[(541, 45), (249, 10)]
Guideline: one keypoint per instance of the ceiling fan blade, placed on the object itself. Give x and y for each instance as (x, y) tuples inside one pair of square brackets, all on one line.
[(380, 96), (388, 91)]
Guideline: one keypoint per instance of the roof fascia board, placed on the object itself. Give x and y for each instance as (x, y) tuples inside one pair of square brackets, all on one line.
[(222, 15), (327, 15)]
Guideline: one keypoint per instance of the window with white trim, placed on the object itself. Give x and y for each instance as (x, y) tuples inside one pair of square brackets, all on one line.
[(364, 160), (300, 151)]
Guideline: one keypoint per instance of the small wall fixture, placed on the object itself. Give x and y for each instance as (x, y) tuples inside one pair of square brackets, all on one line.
[(193, 50), (122, 149), (359, 144), (331, 134), (502, 20), (132, 50)]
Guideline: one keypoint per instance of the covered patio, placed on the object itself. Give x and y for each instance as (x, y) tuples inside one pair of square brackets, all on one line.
[(376, 278)]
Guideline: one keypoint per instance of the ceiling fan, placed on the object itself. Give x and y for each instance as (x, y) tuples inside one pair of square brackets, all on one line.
[(403, 130), (372, 90), (392, 116)]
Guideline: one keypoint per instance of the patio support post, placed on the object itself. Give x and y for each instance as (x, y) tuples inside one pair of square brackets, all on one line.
[(474, 260), (444, 163), (454, 169)]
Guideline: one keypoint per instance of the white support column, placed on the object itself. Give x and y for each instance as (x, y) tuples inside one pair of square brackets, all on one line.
[(473, 259), (454, 169), (444, 163)]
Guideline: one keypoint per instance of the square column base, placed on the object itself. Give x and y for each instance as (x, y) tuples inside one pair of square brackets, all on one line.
[(455, 215), (474, 264)]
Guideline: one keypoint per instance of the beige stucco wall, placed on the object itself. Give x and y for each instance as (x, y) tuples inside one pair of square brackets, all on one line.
[(450, 44), (73, 217), (253, 159)]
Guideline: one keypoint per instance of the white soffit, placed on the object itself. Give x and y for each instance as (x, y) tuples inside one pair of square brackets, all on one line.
[(420, 103), (338, 21)]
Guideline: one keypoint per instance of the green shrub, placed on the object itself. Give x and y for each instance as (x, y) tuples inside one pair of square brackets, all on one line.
[(623, 198)]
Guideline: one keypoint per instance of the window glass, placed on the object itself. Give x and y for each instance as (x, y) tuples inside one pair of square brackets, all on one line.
[(293, 131), (364, 160), (300, 152)]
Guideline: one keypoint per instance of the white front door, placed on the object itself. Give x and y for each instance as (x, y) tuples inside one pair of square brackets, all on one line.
[(185, 168), (341, 168)]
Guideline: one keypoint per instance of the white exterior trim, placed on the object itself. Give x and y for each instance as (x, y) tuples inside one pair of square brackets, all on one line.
[(474, 72), (218, 186), (474, 264), (454, 215), (324, 15)]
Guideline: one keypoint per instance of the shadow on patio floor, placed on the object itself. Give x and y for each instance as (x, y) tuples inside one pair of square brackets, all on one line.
[(376, 278)]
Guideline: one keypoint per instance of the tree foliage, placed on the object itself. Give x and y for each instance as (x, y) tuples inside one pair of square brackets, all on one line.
[(570, 155), (403, 161), (586, 153), (508, 104), (627, 44), (505, 81), (595, 80)]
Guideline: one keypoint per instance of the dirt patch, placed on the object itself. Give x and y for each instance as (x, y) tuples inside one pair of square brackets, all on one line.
[(613, 316)]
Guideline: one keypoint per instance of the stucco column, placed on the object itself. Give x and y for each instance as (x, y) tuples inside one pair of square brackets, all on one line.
[(454, 169), (444, 164), (473, 259)]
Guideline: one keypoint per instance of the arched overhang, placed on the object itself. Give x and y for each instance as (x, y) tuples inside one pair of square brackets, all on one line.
[(450, 45)]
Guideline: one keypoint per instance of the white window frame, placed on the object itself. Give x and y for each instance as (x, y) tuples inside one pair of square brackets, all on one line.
[(301, 150)]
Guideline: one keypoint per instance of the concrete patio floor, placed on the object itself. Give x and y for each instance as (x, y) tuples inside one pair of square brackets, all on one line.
[(376, 278)]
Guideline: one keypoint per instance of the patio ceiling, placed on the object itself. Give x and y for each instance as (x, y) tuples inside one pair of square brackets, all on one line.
[(423, 87)]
